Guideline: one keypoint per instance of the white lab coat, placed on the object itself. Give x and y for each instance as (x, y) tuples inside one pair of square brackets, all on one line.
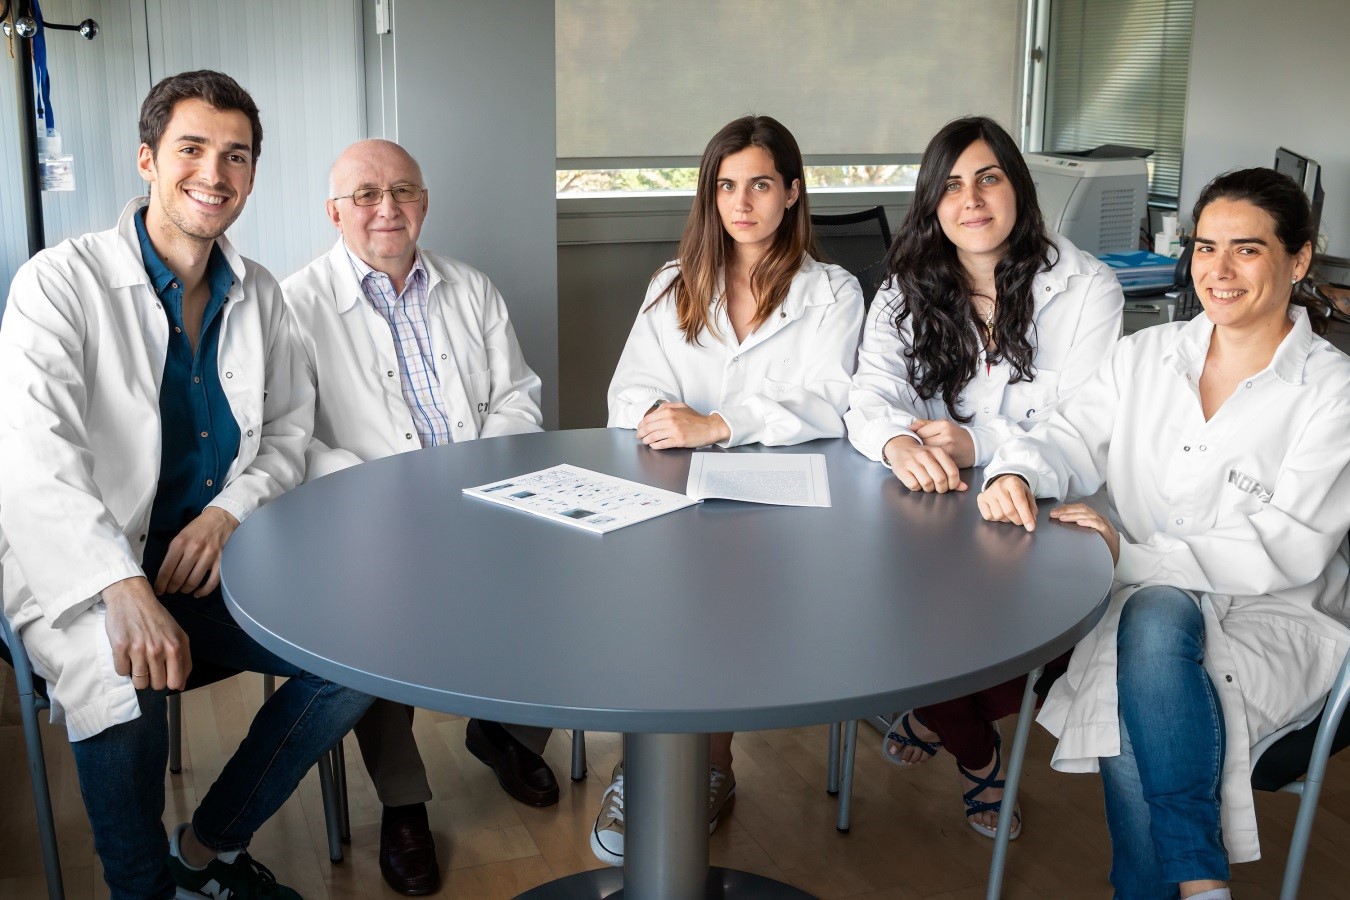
[(1249, 511), (348, 349), (785, 384), (82, 352), (1076, 319)]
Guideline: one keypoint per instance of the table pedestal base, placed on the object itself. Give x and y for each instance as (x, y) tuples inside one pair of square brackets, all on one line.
[(607, 884)]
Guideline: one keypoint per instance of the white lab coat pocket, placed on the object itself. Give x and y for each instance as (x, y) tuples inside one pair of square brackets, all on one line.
[(479, 385), (1281, 665), (1241, 495), (1034, 400), (776, 390)]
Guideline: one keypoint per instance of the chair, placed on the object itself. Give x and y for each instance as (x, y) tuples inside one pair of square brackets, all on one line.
[(32, 691), (32, 698), (1305, 752), (858, 242)]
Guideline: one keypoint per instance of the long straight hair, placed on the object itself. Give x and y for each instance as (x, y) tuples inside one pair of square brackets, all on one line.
[(936, 293), (706, 247)]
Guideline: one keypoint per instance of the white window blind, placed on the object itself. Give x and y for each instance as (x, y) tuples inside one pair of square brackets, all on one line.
[(1117, 75), (652, 79)]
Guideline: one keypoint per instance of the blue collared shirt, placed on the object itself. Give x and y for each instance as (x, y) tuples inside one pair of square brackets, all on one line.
[(199, 437)]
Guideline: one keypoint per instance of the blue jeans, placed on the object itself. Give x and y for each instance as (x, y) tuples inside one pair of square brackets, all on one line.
[(121, 770), (1162, 792)]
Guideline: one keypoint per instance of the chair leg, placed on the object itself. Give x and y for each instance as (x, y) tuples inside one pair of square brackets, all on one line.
[(340, 767), (832, 762), (1016, 759), (846, 787), (269, 686), (175, 702), (331, 813), (578, 755), (42, 798), (1298, 844)]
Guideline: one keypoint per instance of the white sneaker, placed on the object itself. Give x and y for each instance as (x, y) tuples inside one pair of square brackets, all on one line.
[(721, 794), (607, 834)]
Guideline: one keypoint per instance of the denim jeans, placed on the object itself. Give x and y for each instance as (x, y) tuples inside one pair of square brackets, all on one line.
[(121, 770), (1162, 792)]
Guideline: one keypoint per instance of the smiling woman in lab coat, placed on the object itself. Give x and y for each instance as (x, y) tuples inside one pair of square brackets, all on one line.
[(743, 339), (1222, 444), (987, 321)]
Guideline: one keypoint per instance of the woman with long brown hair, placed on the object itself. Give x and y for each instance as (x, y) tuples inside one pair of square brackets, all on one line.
[(743, 339)]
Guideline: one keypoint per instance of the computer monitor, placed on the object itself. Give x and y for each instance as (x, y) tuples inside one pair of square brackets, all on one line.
[(1308, 174)]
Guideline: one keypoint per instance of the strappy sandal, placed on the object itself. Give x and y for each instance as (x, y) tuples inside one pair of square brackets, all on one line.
[(907, 739), (992, 780)]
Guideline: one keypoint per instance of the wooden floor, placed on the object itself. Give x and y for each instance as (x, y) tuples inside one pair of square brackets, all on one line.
[(909, 839)]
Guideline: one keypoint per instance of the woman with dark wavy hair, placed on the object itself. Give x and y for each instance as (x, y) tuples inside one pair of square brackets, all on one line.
[(743, 339), (987, 321), (1222, 445)]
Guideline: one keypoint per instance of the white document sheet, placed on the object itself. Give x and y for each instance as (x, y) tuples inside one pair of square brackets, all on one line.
[(581, 498), (783, 479)]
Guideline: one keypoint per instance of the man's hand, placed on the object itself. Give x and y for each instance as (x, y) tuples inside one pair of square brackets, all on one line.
[(922, 468), (945, 434), (672, 425), (147, 643), (192, 565), (1008, 499), (1083, 515)]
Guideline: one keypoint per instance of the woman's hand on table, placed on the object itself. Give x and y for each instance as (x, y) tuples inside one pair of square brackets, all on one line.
[(1087, 517), (1008, 499), (921, 467), (946, 435), (670, 425)]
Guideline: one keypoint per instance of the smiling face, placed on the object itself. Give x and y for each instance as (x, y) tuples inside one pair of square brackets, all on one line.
[(752, 198), (978, 208), (1242, 273), (201, 175), (383, 236)]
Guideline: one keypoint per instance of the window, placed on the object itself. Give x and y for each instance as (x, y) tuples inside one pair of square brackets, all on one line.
[(863, 85), (1117, 75)]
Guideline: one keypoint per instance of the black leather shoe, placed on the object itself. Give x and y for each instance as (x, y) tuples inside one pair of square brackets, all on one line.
[(407, 853), (521, 772)]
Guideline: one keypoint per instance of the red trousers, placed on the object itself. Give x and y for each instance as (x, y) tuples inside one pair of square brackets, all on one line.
[(966, 725)]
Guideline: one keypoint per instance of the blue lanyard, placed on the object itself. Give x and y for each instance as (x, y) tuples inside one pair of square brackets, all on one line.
[(40, 72)]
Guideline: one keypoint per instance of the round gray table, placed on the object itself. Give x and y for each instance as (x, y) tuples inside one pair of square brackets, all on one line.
[(725, 616)]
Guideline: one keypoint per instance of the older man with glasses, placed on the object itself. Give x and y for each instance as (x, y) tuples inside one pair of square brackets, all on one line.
[(408, 349)]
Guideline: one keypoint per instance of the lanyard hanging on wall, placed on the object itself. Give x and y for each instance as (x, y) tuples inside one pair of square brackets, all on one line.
[(42, 77)]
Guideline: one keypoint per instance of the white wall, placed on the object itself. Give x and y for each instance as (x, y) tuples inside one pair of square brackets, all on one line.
[(1265, 75), (468, 89)]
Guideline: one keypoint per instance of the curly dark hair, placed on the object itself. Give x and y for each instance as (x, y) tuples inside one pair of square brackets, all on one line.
[(935, 292)]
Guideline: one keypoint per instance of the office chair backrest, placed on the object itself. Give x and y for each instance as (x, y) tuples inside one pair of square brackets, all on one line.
[(1188, 304), (858, 242)]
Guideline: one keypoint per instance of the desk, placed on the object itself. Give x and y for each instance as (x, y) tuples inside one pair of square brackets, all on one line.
[(721, 617)]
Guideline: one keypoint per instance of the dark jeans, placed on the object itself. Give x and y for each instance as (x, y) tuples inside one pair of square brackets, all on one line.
[(121, 770)]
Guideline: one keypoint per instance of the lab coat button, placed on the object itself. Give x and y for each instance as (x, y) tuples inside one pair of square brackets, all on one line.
[(459, 424), (250, 432), (1187, 448), (390, 373), (443, 356), (1203, 448), (408, 435), (1179, 521), (142, 539), (735, 359), (229, 374), (1249, 384), (1228, 678)]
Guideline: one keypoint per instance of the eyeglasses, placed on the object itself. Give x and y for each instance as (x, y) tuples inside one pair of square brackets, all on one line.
[(403, 193)]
